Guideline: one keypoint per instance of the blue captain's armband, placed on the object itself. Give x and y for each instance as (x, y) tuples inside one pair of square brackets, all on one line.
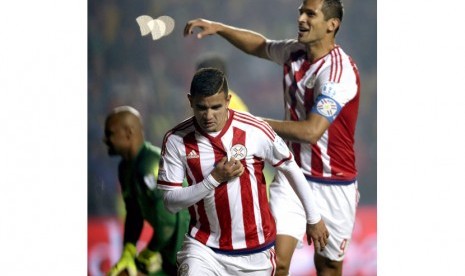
[(326, 107)]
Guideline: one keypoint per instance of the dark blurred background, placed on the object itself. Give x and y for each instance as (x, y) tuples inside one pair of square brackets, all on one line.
[(125, 68)]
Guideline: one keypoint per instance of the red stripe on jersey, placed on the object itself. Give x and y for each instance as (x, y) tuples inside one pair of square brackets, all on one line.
[(308, 100), (284, 160), (268, 223), (193, 216), (339, 61), (273, 261), (204, 230), (317, 162), (248, 214), (183, 125), (171, 184), (336, 64), (296, 151), (190, 144), (331, 71), (256, 120), (302, 71), (222, 205), (263, 126)]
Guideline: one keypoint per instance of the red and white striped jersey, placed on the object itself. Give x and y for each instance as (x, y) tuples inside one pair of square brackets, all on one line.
[(234, 217), (330, 86)]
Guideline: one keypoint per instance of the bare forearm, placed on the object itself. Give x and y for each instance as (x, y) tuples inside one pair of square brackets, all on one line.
[(248, 41), (295, 131)]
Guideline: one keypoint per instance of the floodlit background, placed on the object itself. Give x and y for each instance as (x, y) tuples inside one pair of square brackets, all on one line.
[(125, 68)]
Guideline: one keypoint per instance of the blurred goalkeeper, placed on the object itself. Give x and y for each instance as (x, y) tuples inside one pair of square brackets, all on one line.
[(137, 173)]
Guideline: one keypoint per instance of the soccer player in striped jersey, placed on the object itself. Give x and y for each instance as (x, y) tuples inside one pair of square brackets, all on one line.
[(222, 154), (137, 174), (322, 90)]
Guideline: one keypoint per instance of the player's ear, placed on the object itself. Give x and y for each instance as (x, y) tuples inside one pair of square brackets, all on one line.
[(128, 132), (228, 99), (189, 96), (333, 24)]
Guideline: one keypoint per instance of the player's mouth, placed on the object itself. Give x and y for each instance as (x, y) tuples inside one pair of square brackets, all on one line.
[(208, 124), (303, 31)]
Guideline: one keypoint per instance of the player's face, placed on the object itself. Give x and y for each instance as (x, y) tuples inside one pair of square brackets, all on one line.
[(211, 113), (115, 137), (312, 24)]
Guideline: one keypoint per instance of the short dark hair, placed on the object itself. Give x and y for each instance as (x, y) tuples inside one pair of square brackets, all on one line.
[(333, 9), (208, 82)]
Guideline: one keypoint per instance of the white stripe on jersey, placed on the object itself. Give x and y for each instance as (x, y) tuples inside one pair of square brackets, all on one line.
[(323, 144)]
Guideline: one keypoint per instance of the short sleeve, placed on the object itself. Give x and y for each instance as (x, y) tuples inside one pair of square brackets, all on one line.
[(279, 51), (171, 170)]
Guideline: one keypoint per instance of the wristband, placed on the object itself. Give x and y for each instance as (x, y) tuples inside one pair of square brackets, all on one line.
[(210, 182)]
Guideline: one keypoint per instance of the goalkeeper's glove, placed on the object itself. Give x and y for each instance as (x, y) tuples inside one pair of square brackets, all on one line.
[(149, 261), (126, 262)]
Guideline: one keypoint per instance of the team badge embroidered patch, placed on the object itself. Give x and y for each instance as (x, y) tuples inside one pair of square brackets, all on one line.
[(238, 151), (310, 83)]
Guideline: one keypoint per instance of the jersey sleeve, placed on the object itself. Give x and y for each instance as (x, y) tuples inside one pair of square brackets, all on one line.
[(171, 170), (332, 96), (279, 51), (279, 152)]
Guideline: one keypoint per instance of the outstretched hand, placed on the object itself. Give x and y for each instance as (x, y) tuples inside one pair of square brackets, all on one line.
[(207, 27), (318, 234), (226, 170)]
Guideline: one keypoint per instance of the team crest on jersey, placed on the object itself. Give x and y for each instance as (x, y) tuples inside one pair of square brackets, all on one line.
[(326, 107), (192, 154), (238, 151), (310, 83)]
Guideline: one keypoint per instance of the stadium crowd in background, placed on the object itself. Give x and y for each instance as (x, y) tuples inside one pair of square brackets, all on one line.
[(322, 89), (137, 173)]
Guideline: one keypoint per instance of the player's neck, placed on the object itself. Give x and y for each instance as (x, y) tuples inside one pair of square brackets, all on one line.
[(133, 152), (319, 49)]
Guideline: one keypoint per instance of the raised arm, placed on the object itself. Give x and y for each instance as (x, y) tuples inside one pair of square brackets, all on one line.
[(248, 41)]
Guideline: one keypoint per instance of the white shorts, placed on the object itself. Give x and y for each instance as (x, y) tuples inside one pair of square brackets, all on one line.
[(337, 205), (287, 210), (197, 259)]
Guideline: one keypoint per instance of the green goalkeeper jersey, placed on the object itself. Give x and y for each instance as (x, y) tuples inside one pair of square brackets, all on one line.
[(143, 201)]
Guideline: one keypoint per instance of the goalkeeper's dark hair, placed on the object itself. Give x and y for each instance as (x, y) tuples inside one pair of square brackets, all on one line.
[(333, 9), (208, 82)]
